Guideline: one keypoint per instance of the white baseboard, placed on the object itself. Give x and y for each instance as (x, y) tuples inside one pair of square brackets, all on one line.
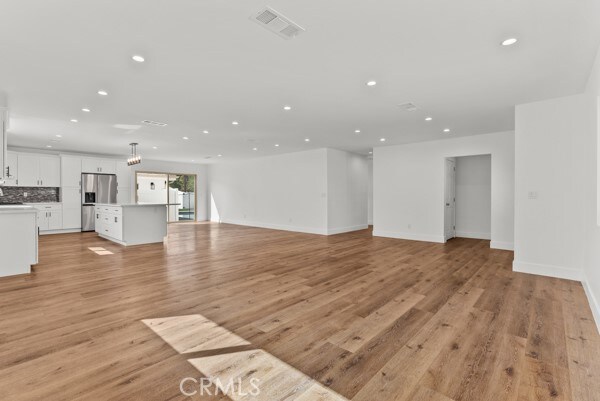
[(307, 230), (65, 231), (548, 270), (474, 235), (507, 246), (593, 301), (332, 231), (409, 236)]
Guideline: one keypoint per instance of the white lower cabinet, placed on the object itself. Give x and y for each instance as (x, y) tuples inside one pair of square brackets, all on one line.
[(108, 221), (49, 216)]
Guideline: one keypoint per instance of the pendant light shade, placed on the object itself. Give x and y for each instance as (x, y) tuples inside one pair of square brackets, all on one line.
[(134, 158)]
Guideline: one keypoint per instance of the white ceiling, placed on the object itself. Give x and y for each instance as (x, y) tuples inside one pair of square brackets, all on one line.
[(207, 64)]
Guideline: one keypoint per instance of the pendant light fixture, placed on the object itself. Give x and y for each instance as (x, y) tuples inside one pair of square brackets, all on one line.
[(134, 158)]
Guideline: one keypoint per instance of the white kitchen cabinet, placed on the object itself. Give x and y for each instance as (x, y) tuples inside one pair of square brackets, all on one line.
[(96, 165), (11, 170), (131, 224), (49, 216), (49, 171), (28, 170), (70, 172), (3, 143), (38, 171), (71, 203)]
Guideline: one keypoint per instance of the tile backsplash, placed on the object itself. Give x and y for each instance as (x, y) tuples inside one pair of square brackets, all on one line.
[(34, 195)]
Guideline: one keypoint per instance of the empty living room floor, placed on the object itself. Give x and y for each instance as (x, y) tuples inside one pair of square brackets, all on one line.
[(345, 317)]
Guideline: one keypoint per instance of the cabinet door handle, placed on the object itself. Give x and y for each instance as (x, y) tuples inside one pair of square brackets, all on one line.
[(116, 220)]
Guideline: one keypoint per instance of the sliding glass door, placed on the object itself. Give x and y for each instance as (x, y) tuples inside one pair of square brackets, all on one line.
[(178, 191)]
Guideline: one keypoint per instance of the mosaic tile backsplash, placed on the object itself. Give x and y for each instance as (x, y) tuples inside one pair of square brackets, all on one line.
[(34, 195)]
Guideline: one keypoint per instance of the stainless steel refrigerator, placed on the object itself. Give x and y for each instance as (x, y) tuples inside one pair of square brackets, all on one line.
[(95, 188)]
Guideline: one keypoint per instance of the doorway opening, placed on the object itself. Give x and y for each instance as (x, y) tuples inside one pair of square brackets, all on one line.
[(177, 191), (468, 197)]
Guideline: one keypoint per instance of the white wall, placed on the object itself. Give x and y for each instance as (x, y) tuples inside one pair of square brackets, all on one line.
[(556, 233), (592, 194), (201, 171), (286, 192), (474, 197), (370, 192), (408, 191), (549, 187), (347, 191)]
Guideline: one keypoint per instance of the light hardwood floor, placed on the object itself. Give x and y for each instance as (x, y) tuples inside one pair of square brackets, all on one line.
[(355, 317)]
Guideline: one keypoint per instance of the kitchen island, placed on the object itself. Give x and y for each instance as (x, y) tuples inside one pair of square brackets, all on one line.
[(18, 239), (132, 224)]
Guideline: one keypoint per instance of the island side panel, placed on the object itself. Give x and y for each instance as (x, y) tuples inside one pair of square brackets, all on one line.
[(144, 224)]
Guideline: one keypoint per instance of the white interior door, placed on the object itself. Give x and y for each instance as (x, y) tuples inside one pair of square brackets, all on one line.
[(450, 200)]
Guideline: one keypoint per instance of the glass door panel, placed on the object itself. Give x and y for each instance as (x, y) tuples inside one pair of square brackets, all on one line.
[(177, 191), (182, 197)]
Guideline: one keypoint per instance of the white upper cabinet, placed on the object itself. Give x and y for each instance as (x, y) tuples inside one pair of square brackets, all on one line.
[(70, 172), (28, 170), (38, 171), (12, 169), (49, 171), (123, 174), (3, 143), (95, 165)]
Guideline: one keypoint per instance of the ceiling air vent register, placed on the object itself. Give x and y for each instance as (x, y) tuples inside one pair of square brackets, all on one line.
[(277, 23), (155, 123), (408, 106)]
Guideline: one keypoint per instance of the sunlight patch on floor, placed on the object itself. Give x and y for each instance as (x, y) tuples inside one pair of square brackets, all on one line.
[(249, 369)]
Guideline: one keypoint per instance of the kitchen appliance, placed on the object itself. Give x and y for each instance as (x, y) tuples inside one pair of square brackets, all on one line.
[(95, 188)]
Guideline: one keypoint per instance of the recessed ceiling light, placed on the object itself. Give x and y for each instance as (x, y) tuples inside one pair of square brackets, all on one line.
[(287, 108), (193, 160), (254, 148), (509, 41), (73, 120), (276, 145), (85, 109), (428, 118), (370, 153), (205, 132), (103, 93), (138, 58), (306, 139), (59, 136), (234, 123), (185, 138), (381, 139), (48, 146), (371, 83), (357, 131), (154, 147), (446, 129), (219, 155)]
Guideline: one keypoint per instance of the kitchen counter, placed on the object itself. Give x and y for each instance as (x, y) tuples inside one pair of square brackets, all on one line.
[(131, 224), (17, 209), (18, 239)]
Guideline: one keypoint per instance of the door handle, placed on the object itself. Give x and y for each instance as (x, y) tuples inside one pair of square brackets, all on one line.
[(116, 220), (447, 204)]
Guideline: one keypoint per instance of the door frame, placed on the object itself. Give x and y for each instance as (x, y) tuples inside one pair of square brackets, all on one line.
[(168, 174), (447, 233)]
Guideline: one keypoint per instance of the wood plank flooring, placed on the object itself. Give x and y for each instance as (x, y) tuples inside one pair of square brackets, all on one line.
[(341, 317)]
